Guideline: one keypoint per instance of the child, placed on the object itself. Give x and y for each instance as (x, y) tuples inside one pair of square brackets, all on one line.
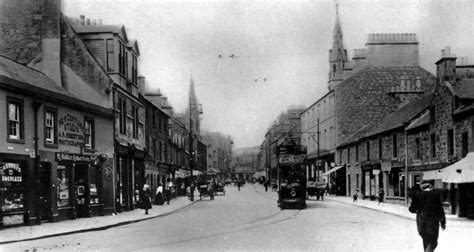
[(355, 196)]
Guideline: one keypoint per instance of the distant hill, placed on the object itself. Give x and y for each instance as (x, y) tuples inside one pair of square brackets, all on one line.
[(246, 150)]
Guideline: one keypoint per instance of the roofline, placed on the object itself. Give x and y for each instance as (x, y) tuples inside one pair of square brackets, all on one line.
[(35, 91), (322, 97)]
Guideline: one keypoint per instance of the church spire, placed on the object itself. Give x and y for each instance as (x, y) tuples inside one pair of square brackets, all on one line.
[(194, 108), (337, 54)]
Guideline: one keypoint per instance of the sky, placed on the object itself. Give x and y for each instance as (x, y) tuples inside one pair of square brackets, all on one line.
[(273, 54)]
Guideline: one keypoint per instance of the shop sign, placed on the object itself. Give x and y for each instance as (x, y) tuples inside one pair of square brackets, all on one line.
[(108, 172), (11, 172), (292, 159), (71, 131), (386, 166), (63, 156), (13, 219)]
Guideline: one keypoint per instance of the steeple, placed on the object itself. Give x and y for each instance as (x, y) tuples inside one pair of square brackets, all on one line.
[(194, 109), (337, 54)]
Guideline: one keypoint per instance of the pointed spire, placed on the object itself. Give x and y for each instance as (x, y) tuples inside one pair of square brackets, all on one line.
[(337, 54)]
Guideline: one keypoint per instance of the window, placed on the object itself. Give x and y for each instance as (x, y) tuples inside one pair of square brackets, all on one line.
[(12, 186), (122, 58), (160, 149), (122, 115), (380, 149), (135, 121), (394, 145), (432, 114), (368, 150), (15, 120), (357, 153), (62, 191), (110, 54), (433, 145), (450, 142), (417, 146), (348, 155), (465, 144), (50, 127), (134, 69), (89, 133)]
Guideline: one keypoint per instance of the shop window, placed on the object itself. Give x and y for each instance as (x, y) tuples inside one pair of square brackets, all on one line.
[(62, 192), (12, 186), (50, 127), (15, 120), (89, 133), (93, 193)]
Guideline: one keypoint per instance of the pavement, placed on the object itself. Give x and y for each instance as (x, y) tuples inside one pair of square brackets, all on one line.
[(397, 210), (45, 230)]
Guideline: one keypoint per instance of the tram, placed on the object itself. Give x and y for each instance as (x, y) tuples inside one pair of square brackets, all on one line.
[(291, 176)]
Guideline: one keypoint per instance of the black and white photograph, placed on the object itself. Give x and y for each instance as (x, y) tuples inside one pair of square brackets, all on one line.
[(236, 125)]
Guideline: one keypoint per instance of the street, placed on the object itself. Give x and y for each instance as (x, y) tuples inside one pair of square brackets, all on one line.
[(249, 220)]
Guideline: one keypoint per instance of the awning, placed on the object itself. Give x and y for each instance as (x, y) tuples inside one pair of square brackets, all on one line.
[(332, 170), (434, 174), (260, 174), (459, 172)]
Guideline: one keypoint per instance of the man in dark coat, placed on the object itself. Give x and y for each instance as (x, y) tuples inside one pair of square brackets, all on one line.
[(429, 215)]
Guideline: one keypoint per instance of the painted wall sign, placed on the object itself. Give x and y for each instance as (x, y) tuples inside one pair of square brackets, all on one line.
[(62, 156), (71, 131)]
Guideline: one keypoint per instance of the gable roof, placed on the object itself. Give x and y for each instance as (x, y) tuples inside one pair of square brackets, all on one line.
[(14, 70), (464, 89), (402, 115)]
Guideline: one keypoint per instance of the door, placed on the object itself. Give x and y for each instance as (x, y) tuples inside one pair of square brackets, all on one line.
[(44, 193), (81, 190)]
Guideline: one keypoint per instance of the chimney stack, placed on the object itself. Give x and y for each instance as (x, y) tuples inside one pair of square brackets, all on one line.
[(99, 22), (446, 66), (88, 21), (81, 22)]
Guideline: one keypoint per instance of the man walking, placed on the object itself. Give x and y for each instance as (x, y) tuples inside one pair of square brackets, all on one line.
[(429, 215)]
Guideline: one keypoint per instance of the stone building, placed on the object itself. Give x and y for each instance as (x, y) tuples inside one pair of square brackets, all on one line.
[(219, 153), (417, 141), (381, 77), (54, 165), (118, 55)]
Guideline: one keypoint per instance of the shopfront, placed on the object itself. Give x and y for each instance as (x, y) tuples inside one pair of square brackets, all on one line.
[(14, 173), (372, 180), (130, 177)]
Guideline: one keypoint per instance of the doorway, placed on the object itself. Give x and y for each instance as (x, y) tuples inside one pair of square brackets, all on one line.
[(44, 192), (81, 190)]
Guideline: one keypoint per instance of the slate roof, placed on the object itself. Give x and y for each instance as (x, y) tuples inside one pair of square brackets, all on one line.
[(464, 89), (361, 133), (424, 119), (19, 72), (19, 77), (402, 115), (120, 29)]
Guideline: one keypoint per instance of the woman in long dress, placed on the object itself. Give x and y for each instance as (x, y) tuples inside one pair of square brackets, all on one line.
[(146, 198), (159, 195)]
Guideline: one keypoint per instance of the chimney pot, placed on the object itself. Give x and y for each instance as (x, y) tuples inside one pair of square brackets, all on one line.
[(94, 22), (88, 21), (82, 17), (99, 22)]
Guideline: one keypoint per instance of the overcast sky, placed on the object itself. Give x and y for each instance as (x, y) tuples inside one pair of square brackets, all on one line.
[(281, 48)]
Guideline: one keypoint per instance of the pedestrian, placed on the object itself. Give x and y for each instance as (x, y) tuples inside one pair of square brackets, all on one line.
[(168, 191), (238, 185), (381, 195), (265, 184), (146, 199), (355, 196), (429, 215), (211, 189), (327, 188), (159, 200)]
